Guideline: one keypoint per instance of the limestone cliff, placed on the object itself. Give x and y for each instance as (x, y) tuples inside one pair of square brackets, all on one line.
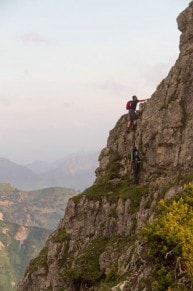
[(97, 245)]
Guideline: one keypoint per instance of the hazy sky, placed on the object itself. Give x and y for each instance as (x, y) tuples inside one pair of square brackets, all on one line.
[(67, 68)]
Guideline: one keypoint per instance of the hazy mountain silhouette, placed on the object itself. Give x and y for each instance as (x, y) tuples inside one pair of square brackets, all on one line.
[(76, 172), (19, 176)]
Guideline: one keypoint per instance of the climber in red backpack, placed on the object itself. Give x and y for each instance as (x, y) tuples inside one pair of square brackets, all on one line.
[(132, 116)]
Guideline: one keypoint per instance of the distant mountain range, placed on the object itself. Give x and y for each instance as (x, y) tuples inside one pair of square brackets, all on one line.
[(26, 220), (27, 216), (76, 172), (41, 208)]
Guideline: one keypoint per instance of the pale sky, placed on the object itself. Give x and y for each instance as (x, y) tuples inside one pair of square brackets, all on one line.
[(67, 68)]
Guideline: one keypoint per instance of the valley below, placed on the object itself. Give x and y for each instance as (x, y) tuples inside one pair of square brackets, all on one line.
[(26, 220)]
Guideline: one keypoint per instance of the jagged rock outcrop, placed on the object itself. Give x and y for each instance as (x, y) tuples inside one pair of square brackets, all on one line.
[(97, 243), (165, 131)]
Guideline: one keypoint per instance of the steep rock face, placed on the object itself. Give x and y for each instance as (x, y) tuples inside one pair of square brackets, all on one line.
[(98, 225), (98, 236), (168, 117), (164, 132)]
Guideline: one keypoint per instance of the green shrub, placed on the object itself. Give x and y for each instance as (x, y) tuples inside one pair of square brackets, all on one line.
[(169, 241)]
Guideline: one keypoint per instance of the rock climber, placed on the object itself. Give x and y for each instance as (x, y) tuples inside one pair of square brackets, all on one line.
[(132, 114), (136, 158)]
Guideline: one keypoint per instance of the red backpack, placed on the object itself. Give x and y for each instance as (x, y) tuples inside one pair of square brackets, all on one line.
[(128, 105)]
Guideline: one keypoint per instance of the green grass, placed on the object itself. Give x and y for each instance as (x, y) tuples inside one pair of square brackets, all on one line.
[(115, 192), (113, 212), (112, 190), (184, 179), (112, 280), (86, 267), (60, 236)]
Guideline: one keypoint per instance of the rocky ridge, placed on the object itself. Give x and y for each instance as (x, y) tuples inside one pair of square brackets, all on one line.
[(97, 244)]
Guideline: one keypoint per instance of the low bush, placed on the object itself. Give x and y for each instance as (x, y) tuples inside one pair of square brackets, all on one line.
[(169, 240)]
